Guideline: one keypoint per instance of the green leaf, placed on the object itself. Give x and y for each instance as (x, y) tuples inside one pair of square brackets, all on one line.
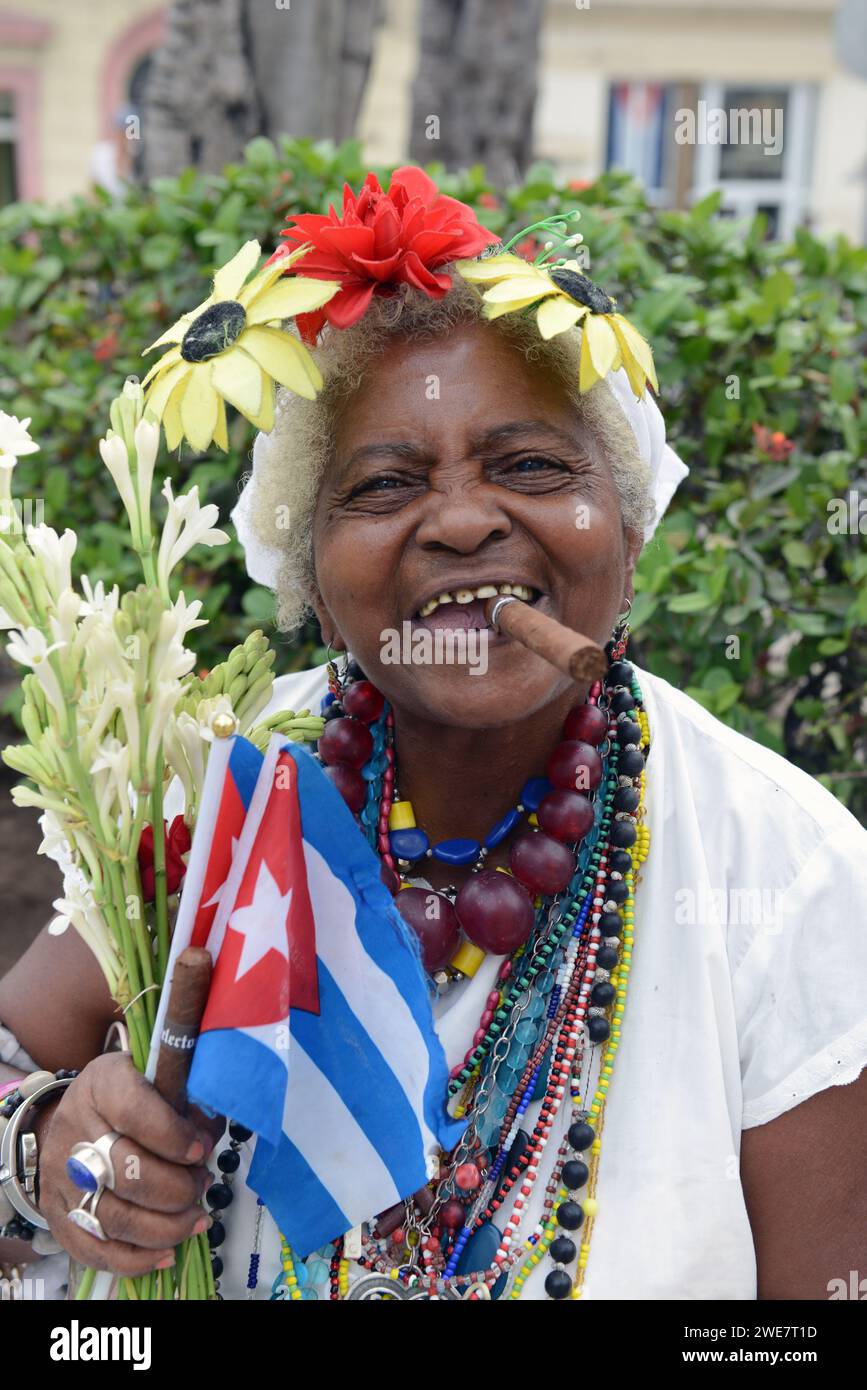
[(696, 602), (160, 251), (843, 382), (258, 604), (798, 554)]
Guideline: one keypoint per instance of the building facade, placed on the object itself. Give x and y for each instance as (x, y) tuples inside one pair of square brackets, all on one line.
[(748, 96)]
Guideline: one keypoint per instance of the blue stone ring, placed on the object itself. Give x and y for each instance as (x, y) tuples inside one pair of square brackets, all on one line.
[(89, 1165)]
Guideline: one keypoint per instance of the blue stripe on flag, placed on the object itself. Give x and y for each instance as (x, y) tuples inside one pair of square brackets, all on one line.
[(235, 1074), (344, 1052), (245, 764), (280, 1175)]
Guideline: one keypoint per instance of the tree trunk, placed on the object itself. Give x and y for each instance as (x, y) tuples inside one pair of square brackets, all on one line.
[(475, 92), (232, 69)]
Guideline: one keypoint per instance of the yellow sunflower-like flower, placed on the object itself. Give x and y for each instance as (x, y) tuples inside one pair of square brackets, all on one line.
[(231, 348), (566, 297)]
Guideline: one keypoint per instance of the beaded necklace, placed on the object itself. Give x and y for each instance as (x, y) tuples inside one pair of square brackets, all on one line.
[(549, 1031)]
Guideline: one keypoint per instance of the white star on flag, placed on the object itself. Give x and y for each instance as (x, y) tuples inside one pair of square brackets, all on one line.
[(262, 923), (215, 900)]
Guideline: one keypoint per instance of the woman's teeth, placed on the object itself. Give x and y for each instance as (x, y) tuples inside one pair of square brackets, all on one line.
[(482, 591)]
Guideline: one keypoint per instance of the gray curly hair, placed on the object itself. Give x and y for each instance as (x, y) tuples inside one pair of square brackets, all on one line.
[(290, 469)]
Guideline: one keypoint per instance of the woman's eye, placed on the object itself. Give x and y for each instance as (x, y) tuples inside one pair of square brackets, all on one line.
[(534, 463), (383, 483)]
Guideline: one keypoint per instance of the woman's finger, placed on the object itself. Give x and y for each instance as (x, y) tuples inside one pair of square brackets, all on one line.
[(153, 1230), (150, 1182), (134, 1108)]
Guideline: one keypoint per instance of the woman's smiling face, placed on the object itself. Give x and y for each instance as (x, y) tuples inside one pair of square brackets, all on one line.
[(458, 464)]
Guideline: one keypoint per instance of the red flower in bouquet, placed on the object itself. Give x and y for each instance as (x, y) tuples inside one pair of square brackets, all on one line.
[(381, 241), (178, 842)]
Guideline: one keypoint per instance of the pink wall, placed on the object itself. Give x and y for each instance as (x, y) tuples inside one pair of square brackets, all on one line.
[(140, 38)]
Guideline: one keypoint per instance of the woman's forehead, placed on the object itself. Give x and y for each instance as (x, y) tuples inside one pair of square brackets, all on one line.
[(472, 379)]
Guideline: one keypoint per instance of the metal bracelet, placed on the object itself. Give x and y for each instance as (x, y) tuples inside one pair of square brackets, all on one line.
[(18, 1166)]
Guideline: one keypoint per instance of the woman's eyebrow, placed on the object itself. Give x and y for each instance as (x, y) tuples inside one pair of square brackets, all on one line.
[(481, 443), (506, 434)]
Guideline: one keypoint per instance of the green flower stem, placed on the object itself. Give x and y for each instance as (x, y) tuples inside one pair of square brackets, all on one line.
[(148, 564), (543, 226), (134, 1014), (160, 879), (143, 944), (85, 1284)]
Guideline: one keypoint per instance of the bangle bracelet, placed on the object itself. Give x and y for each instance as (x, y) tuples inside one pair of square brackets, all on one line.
[(18, 1148)]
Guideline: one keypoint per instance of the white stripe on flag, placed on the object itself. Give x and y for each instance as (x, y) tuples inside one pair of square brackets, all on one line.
[(212, 793), (329, 1138), (370, 993)]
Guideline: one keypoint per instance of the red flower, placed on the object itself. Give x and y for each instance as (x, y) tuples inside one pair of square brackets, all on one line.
[(178, 842), (528, 248), (487, 200), (106, 348), (773, 443), (382, 240), (578, 185)]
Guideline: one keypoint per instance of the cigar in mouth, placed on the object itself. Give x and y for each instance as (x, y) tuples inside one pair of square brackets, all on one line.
[(571, 652), (188, 995)]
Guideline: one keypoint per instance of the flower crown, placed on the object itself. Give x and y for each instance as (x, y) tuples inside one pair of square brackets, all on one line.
[(328, 269)]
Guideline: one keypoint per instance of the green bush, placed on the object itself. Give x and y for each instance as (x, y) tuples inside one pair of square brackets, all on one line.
[(748, 599)]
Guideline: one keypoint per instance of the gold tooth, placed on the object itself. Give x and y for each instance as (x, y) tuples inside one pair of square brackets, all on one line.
[(428, 608)]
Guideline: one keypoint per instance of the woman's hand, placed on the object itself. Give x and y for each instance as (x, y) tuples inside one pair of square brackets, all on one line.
[(158, 1164)]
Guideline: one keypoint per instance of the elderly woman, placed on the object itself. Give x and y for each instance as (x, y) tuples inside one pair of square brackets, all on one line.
[(452, 457)]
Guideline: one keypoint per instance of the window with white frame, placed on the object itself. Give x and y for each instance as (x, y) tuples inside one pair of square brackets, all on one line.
[(764, 163), (685, 140)]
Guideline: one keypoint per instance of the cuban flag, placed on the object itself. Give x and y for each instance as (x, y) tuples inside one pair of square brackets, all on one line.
[(233, 768), (318, 1033)]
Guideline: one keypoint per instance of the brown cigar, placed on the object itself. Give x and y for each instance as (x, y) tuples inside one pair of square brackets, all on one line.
[(571, 652), (188, 994)]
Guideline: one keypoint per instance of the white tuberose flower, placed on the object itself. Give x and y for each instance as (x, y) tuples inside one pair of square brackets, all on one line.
[(55, 554), (147, 442), (29, 647), (15, 440), (116, 460), (187, 524)]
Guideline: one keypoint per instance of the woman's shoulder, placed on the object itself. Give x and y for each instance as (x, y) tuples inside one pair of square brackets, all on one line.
[(739, 776)]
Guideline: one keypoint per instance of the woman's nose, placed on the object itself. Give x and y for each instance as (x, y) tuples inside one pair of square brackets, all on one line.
[(462, 516)]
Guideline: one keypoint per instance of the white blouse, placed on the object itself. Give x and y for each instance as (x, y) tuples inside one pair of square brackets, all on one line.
[(747, 995)]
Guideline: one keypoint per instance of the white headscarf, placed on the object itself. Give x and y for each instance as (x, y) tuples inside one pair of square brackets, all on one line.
[(644, 417)]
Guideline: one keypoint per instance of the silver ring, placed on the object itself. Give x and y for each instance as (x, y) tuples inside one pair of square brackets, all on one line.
[(89, 1164), (87, 1220), (504, 598)]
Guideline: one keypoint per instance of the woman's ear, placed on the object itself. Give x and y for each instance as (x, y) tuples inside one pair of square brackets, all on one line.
[(330, 636)]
